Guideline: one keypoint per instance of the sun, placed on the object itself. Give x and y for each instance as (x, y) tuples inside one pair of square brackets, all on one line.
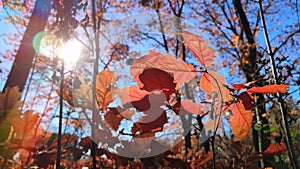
[(70, 51)]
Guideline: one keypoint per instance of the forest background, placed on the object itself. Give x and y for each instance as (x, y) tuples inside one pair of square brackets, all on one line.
[(182, 84)]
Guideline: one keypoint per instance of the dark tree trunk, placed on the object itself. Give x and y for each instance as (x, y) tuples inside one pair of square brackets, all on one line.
[(24, 59), (25, 55), (251, 74)]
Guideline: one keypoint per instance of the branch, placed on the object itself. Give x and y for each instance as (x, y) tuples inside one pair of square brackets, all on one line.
[(162, 31), (245, 23), (286, 40)]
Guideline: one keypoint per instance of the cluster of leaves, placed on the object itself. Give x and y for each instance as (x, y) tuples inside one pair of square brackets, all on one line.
[(159, 79)]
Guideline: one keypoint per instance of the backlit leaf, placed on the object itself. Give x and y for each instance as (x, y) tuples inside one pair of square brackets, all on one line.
[(182, 71), (26, 124), (269, 89), (104, 95), (113, 118), (204, 54), (82, 94), (242, 86), (150, 127), (238, 86), (156, 79), (240, 121), (213, 82), (131, 94), (186, 107), (8, 101)]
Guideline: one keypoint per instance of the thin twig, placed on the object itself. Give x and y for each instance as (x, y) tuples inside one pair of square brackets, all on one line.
[(287, 134)]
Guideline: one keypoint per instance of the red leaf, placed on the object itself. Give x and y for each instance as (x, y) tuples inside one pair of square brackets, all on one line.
[(156, 79), (238, 86), (143, 101), (86, 143), (186, 107), (200, 49), (113, 118), (242, 86), (275, 149), (131, 94), (269, 89), (246, 99), (240, 121), (134, 97), (151, 127), (182, 71), (156, 100), (140, 105)]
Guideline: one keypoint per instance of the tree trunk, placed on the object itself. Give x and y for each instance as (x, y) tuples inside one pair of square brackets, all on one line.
[(25, 55), (260, 139), (24, 58)]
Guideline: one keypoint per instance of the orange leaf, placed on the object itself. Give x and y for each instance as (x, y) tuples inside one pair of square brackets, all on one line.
[(275, 149), (242, 86), (206, 83), (104, 95), (182, 71), (213, 82), (25, 125), (269, 89), (131, 94), (240, 121), (8, 102), (238, 86), (200, 49)]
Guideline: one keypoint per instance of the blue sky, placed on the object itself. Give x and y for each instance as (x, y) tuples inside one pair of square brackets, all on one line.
[(6, 28)]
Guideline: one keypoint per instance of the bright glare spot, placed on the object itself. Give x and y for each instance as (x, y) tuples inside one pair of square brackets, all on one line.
[(70, 51)]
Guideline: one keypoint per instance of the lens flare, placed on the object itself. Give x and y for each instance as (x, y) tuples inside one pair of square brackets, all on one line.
[(70, 51)]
